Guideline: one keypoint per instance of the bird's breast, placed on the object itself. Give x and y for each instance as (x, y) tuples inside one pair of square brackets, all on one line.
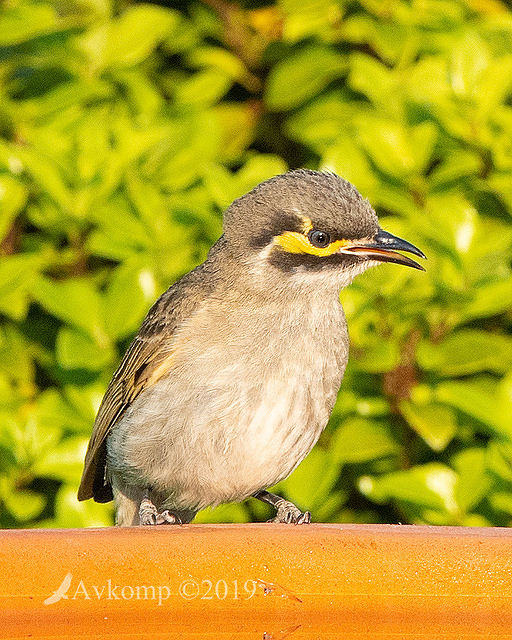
[(245, 401)]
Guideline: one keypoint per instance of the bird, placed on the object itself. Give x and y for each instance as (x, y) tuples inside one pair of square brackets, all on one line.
[(235, 370)]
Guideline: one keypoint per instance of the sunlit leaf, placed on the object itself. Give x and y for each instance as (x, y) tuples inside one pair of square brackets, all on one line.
[(69, 513), (75, 301), (76, 350), (473, 481), (428, 486), (127, 299), (359, 440), (22, 22), (203, 88), (478, 402), (467, 351), (300, 77), (435, 424), (313, 479), (18, 274), (24, 504), (130, 38), (13, 195)]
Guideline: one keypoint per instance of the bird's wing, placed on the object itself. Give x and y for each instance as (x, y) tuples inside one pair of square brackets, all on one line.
[(147, 359)]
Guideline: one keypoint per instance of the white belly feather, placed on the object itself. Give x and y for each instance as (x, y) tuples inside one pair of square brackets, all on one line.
[(218, 429)]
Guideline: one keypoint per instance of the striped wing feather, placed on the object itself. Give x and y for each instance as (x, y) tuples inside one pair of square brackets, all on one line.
[(147, 359)]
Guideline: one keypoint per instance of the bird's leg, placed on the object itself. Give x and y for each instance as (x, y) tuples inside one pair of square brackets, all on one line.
[(148, 513), (286, 511)]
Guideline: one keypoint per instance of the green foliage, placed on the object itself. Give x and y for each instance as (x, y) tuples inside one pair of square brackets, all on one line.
[(124, 132)]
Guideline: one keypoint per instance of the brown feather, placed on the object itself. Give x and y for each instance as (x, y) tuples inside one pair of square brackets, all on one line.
[(145, 362), (148, 358)]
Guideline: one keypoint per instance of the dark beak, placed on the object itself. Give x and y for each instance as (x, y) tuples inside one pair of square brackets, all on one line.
[(382, 247)]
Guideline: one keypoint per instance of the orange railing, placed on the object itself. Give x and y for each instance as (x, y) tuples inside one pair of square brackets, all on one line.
[(257, 581)]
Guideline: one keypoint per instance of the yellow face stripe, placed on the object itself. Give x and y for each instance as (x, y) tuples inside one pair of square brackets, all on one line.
[(294, 242)]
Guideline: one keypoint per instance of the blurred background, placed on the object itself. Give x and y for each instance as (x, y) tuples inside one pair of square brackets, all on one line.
[(125, 130)]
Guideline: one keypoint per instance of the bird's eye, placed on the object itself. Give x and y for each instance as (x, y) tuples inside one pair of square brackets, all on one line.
[(319, 239)]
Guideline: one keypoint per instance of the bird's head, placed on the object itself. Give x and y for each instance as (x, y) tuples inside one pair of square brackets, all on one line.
[(312, 222)]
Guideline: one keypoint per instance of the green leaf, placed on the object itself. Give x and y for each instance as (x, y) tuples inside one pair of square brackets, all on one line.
[(377, 82), (455, 165), (24, 504), (500, 183), (32, 439), (478, 402), (324, 121), (501, 501), (313, 479), (301, 76), (308, 18), (63, 462), (390, 39), (13, 196), (473, 480), (130, 292), (465, 352), (16, 359), (64, 96), (150, 206), (489, 299), (85, 402), (199, 145), (347, 160), (133, 36), (427, 86), (469, 59), (119, 226), (219, 58), (360, 440), (488, 255), (183, 37), (142, 95), (430, 486), (220, 183), (397, 150), (378, 355), (18, 273), (498, 460), (48, 177), (223, 513), (76, 350), (53, 410), (25, 21), (237, 126), (455, 233), (258, 168), (74, 301), (434, 423), (70, 514), (203, 88)]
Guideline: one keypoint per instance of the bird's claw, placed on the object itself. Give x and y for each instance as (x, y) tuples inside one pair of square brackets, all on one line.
[(167, 517), (288, 513), (148, 515)]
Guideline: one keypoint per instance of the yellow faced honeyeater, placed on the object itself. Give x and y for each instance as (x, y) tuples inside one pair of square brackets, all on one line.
[(235, 370)]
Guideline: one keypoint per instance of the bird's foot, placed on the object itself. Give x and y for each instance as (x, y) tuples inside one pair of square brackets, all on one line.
[(286, 511), (148, 514)]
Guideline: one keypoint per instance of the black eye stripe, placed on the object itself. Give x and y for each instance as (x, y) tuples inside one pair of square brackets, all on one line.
[(319, 239)]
